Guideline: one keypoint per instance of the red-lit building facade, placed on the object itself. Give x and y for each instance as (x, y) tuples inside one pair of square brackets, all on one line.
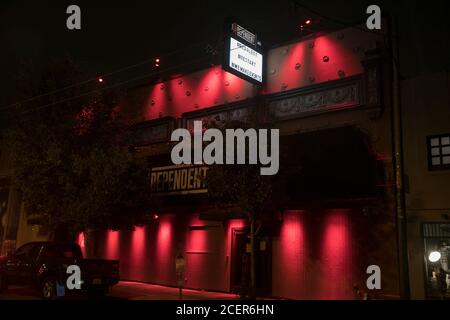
[(330, 97), (332, 215)]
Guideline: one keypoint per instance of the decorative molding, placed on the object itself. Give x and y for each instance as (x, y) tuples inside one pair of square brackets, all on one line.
[(150, 132), (218, 120), (217, 116), (298, 104)]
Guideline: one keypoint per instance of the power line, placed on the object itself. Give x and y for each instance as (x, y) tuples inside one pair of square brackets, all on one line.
[(109, 74), (103, 75), (113, 86), (149, 75), (353, 26), (334, 20)]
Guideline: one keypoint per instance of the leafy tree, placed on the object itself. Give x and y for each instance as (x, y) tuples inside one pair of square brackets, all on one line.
[(242, 186), (70, 159)]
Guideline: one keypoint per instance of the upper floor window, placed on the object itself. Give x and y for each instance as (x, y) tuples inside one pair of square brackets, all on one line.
[(439, 152)]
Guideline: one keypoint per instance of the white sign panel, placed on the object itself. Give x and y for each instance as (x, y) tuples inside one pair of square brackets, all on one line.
[(245, 60)]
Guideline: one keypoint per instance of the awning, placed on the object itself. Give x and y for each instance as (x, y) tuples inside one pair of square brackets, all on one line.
[(327, 164)]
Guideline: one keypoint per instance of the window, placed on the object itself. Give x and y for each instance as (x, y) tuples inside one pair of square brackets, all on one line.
[(439, 152), (28, 251)]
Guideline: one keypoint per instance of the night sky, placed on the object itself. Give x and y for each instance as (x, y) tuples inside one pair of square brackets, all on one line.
[(120, 33)]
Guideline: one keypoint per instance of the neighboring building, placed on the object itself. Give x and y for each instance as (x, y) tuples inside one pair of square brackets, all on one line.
[(426, 138)]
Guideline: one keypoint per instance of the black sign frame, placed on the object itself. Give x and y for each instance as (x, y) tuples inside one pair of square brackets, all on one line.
[(226, 58)]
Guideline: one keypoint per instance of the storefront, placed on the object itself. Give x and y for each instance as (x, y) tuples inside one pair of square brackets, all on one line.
[(436, 238), (308, 247)]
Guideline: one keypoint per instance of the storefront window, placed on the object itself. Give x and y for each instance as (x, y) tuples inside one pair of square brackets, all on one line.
[(437, 255)]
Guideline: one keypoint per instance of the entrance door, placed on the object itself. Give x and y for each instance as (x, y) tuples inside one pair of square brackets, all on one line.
[(240, 264)]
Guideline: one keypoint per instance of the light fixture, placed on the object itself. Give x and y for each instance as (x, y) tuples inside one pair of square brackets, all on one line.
[(157, 61), (100, 80), (306, 23), (434, 256)]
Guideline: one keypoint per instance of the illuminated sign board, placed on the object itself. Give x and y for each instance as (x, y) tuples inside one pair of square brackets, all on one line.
[(179, 179), (243, 56), (245, 60)]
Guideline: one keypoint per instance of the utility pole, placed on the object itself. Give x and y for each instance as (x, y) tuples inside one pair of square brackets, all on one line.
[(398, 163)]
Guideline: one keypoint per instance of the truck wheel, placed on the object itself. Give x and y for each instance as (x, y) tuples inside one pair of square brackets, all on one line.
[(3, 283), (48, 288)]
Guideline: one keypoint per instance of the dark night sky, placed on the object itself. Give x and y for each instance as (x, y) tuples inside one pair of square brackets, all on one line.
[(120, 33)]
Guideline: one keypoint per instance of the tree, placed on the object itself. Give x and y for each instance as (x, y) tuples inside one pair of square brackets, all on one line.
[(70, 157), (242, 186)]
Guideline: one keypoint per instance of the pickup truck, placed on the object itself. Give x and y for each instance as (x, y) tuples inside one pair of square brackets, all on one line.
[(43, 266)]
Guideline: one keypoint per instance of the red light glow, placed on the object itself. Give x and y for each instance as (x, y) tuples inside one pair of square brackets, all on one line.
[(292, 256), (312, 69), (138, 253), (81, 243), (164, 254), (336, 257), (202, 89), (312, 259), (112, 245)]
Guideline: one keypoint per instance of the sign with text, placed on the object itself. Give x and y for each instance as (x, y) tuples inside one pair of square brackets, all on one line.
[(244, 34), (243, 55), (245, 61), (179, 179)]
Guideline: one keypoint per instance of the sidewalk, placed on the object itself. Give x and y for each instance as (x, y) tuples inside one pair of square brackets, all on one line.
[(143, 291)]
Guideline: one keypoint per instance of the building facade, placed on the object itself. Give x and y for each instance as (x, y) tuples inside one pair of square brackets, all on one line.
[(333, 215), (426, 110), (333, 208)]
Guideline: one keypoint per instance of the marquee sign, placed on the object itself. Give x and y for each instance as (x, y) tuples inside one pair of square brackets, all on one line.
[(178, 179), (243, 55)]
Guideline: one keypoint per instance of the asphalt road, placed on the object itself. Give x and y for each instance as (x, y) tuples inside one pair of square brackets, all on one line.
[(24, 293), (126, 290)]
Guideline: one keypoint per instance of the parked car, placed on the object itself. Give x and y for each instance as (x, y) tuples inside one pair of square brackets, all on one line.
[(43, 265)]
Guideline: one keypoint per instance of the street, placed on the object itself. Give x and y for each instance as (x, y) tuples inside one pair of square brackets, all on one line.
[(127, 291)]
